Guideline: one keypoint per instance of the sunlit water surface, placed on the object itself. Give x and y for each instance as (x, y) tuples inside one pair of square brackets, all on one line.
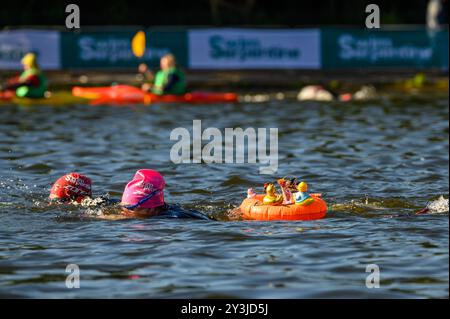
[(375, 163)]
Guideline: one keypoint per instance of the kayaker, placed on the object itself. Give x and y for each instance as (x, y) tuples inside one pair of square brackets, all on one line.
[(144, 197), (169, 80), (32, 83)]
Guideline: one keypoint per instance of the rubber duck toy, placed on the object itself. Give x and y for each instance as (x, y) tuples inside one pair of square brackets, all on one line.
[(302, 197), (271, 197), (251, 193)]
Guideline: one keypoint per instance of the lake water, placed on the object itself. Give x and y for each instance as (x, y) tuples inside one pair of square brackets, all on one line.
[(376, 164)]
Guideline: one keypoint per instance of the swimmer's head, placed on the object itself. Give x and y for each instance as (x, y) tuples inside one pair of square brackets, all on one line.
[(346, 97), (302, 187), (168, 61), (144, 191), (72, 186)]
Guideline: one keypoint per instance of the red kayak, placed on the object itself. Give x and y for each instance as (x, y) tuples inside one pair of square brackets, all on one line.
[(126, 94), (7, 95)]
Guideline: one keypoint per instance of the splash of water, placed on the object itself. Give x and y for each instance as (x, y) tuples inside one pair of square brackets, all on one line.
[(438, 206)]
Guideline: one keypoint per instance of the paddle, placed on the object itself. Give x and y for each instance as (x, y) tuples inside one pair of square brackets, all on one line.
[(138, 44)]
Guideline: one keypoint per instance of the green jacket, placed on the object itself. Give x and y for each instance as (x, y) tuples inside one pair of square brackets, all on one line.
[(29, 90), (170, 81)]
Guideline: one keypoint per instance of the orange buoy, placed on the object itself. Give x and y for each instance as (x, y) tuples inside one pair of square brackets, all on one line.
[(254, 209)]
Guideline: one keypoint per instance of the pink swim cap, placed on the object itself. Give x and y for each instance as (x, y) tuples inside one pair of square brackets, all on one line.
[(145, 190)]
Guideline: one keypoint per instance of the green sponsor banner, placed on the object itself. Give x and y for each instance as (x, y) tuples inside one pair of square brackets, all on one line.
[(112, 49), (348, 48)]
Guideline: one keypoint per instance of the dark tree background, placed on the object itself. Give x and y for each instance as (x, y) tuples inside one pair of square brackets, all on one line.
[(287, 13)]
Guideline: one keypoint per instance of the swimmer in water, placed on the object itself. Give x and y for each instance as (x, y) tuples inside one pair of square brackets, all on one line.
[(75, 188), (72, 187), (143, 197)]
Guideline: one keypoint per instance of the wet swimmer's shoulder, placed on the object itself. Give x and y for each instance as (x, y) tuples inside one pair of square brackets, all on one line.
[(176, 211), (163, 211)]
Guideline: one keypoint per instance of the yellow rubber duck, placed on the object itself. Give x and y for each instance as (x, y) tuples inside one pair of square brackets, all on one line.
[(302, 197), (271, 197)]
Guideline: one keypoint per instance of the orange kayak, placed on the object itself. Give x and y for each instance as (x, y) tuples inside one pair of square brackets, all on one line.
[(7, 95), (126, 94)]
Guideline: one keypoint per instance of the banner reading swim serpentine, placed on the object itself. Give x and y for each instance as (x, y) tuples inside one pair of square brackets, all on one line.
[(231, 48), (254, 49), (111, 49), (350, 48)]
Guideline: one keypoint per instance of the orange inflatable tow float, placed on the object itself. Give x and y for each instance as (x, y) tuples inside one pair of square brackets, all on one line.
[(288, 206), (254, 209)]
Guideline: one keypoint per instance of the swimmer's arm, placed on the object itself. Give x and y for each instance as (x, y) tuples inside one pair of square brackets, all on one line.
[(13, 86), (234, 214), (112, 217)]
